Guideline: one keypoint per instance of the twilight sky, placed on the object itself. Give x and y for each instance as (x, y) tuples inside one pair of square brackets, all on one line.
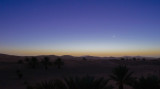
[(80, 27)]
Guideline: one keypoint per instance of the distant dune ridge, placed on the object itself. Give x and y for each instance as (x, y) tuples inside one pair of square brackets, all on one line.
[(9, 58), (12, 58)]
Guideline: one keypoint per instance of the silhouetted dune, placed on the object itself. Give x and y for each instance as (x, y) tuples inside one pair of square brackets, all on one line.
[(9, 58)]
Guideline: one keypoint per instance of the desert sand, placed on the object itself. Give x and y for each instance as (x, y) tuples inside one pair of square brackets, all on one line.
[(73, 66)]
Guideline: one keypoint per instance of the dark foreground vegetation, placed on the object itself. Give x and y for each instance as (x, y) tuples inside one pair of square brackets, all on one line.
[(120, 76)]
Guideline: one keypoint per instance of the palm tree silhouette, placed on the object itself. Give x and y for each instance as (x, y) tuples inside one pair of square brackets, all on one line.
[(87, 82), (33, 62), (52, 84), (58, 62), (46, 62), (121, 75), (149, 82), (19, 73), (20, 62), (26, 59), (84, 58)]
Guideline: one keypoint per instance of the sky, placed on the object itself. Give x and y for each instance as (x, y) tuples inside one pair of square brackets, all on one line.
[(80, 27)]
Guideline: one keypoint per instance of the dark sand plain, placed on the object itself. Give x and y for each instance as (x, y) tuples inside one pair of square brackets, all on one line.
[(73, 66)]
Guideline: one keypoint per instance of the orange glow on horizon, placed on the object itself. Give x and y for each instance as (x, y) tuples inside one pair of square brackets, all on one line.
[(154, 53)]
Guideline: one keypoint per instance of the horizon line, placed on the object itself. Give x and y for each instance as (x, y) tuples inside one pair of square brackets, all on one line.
[(75, 56)]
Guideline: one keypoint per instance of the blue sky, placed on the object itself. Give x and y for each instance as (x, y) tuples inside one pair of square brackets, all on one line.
[(80, 27)]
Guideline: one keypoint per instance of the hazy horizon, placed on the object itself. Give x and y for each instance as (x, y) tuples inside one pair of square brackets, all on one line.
[(81, 27), (79, 55)]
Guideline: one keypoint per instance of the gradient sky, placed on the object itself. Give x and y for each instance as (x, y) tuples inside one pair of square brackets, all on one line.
[(80, 27)]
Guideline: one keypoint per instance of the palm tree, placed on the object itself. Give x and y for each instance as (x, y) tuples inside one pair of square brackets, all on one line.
[(134, 59), (52, 84), (19, 73), (143, 59), (150, 82), (84, 59), (121, 75), (33, 62), (46, 62), (26, 59), (122, 59), (59, 63), (87, 82), (20, 62)]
